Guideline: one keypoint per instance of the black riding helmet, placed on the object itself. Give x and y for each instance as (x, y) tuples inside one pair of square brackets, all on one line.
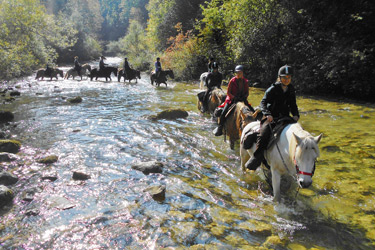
[(215, 65), (238, 68), (285, 70)]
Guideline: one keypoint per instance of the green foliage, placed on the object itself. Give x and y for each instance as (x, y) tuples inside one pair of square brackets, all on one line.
[(29, 37), (133, 46), (182, 56), (326, 41)]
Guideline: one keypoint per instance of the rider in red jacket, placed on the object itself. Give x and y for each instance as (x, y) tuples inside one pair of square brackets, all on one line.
[(238, 91)]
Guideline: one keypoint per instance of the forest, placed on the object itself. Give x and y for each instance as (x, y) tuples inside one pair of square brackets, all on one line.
[(330, 44)]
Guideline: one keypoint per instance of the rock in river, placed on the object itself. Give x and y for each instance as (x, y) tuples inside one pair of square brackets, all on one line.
[(10, 146), (6, 195), (7, 178), (149, 167), (171, 114)]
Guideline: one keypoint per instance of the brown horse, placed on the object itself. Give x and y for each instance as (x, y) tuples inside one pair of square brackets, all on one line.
[(162, 77), (72, 72), (238, 116), (132, 74), (54, 72), (216, 97)]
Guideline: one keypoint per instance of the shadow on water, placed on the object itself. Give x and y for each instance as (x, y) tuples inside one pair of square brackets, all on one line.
[(209, 202)]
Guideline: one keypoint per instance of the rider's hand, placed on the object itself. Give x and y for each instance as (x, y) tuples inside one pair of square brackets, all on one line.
[(269, 118), (296, 118)]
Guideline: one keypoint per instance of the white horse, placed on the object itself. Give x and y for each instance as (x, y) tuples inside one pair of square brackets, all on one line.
[(85, 69), (293, 153), (202, 79)]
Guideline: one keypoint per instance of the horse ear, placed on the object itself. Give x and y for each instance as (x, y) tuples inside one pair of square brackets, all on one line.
[(298, 140), (317, 138)]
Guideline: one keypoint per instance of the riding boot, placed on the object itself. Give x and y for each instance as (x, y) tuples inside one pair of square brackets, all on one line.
[(254, 162), (219, 130), (204, 102)]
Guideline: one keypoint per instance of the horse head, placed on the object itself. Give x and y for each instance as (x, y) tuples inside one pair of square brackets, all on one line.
[(245, 116), (115, 70), (305, 154), (170, 73), (60, 72)]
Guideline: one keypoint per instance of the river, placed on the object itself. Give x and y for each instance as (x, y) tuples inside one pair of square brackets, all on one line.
[(210, 203)]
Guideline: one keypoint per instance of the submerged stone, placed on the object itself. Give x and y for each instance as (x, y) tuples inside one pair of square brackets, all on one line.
[(77, 99), (157, 192), (49, 159), (8, 157), (171, 114), (6, 116), (6, 195), (7, 178), (149, 167), (10, 146), (80, 176)]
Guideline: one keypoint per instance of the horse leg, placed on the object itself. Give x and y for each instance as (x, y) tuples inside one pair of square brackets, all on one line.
[(276, 179)]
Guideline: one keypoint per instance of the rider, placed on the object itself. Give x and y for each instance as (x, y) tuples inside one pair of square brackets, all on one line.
[(126, 67), (48, 70), (238, 91), (101, 63), (278, 102), (210, 64), (157, 67), (77, 65), (213, 80)]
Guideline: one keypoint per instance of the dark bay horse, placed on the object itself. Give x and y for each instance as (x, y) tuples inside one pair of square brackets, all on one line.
[(132, 74), (106, 72), (162, 77), (41, 73), (238, 116), (215, 98)]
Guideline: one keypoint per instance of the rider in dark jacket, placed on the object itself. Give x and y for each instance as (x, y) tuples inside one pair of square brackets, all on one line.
[(126, 67), (213, 80), (157, 67), (77, 65), (278, 102), (48, 70), (101, 63)]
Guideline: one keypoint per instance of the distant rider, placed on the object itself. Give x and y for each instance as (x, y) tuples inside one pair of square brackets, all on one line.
[(48, 70), (102, 64), (77, 65), (278, 102), (213, 80), (126, 67), (157, 67), (238, 91), (210, 64)]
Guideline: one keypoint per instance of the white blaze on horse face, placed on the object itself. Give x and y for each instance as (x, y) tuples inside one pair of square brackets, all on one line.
[(306, 154)]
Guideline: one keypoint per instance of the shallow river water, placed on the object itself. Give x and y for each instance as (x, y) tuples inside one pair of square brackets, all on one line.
[(210, 203)]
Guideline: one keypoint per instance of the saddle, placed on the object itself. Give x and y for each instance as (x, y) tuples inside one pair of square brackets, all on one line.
[(251, 136)]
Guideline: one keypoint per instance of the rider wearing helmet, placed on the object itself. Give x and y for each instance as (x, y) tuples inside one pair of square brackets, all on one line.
[(278, 102), (157, 67), (126, 67), (213, 80), (210, 64), (77, 65), (101, 63), (238, 91)]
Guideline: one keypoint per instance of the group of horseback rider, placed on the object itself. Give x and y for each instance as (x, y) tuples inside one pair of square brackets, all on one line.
[(102, 65), (278, 102)]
